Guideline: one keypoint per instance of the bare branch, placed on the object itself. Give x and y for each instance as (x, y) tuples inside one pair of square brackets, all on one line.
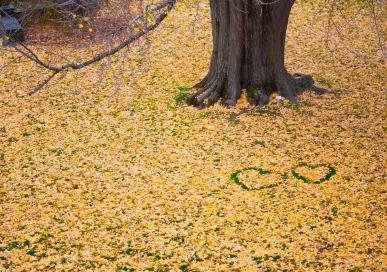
[(162, 7), (44, 83)]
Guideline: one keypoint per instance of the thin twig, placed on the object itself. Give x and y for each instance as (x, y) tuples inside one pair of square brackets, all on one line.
[(44, 83)]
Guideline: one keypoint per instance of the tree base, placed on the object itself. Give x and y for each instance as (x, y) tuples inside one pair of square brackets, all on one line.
[(210, 91), (249, 54)]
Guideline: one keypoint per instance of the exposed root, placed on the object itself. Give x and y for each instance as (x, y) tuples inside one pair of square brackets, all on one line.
[(306, 82), (209, 91), (257, 97), (192, 100), (207, 94), (291, 86), (286, 86), (205, 97), (228, 103)]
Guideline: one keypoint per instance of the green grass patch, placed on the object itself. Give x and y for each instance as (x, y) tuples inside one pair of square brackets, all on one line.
[(182, 95)]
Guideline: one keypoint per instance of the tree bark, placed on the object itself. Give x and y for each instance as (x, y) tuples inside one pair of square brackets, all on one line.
[(248, 53)]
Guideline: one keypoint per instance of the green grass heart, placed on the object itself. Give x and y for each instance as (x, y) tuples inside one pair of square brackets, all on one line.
[(331, 173), (234, 177)]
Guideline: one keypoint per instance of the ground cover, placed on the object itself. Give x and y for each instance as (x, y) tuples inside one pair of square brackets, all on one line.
[(116, 173)]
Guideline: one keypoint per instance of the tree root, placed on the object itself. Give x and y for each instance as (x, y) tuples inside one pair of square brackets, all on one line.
[(210, 91), (305, 82), (257, 97)]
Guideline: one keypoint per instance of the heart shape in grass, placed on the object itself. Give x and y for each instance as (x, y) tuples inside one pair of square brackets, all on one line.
[(235, 178), (331, 171)]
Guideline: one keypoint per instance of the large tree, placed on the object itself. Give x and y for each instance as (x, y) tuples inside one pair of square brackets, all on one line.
[(248, 53)]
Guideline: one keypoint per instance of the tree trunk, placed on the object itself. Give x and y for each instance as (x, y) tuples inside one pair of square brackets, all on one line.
[(248, 53)]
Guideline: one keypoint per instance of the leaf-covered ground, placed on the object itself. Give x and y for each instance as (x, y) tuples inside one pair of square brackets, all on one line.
[(116, 173)]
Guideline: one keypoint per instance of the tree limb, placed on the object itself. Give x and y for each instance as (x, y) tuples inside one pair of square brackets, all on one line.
[(44, 83), (163, 7)]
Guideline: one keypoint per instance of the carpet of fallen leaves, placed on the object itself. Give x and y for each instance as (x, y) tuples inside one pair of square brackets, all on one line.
[(116, 173)]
